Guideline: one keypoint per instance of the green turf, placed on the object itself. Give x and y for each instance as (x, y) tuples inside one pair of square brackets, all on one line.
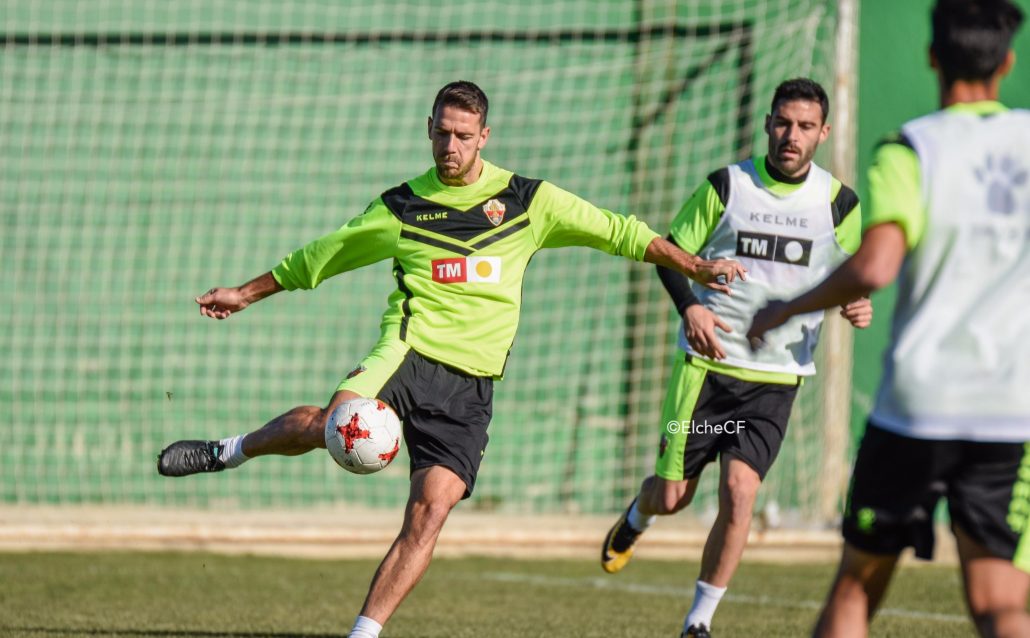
[(178, 595)]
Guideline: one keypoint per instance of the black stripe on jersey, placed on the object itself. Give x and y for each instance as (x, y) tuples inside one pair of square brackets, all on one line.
[(432, 241), (510, 230), (462, 225), (720, 181), (842, 205), (398, 272), (524, 188), (397, 197)]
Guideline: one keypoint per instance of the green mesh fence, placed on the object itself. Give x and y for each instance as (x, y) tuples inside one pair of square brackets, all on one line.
[(150, 150)]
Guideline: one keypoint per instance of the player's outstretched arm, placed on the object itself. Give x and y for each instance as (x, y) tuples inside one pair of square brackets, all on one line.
[(716, 274), (221, 303), (873, 266)]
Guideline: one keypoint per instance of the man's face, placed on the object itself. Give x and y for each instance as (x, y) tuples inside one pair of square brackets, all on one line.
[(795, 129), (458, 136)]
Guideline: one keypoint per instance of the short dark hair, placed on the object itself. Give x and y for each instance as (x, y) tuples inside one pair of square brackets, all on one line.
[(801, 89), (463, 95), (972, 37)]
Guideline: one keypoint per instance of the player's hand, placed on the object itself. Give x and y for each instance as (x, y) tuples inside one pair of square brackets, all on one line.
[(774, 315), (220, 303), (858, 312), (700, 323), (718, 274)]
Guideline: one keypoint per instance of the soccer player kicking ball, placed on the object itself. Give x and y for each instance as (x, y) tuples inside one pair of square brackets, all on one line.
[(789, 222), (950, 219), (460, 237)]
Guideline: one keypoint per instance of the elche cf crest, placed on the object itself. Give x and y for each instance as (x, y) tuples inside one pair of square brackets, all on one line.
[(494, 210)]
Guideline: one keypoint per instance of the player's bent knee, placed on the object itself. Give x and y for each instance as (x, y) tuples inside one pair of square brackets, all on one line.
[(672, 497), (665, 506), (306, 430), (740, 497), (674, 503), (435, 492), (743, 486), (429, 515)]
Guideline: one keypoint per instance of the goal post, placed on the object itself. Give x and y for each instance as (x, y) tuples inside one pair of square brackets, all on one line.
[(837, 354)]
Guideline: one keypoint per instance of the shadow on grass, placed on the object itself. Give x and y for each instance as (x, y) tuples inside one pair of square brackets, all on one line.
[(170, 633)]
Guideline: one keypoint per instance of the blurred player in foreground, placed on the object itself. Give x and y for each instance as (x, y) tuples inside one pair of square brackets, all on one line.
[(950, 219), (460, 237), (790, 223)]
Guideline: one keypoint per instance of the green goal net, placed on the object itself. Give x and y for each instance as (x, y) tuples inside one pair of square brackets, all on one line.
[(150, 150)]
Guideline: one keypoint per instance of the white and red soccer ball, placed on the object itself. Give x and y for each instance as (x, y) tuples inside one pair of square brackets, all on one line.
[(363, 435)]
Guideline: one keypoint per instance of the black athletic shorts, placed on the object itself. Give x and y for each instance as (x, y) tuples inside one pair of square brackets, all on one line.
[(445, 411), (706, 414), (898, 482)]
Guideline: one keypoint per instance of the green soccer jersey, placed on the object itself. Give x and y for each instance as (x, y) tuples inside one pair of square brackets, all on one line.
[(459, 257), (693, 226)]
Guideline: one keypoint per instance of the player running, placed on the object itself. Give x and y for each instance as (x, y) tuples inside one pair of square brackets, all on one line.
[(950, 219), (790, 223)]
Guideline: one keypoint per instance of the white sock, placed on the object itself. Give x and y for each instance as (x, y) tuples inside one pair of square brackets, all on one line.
[(637, 520), (232, 451), (365, 627), (706, 599)]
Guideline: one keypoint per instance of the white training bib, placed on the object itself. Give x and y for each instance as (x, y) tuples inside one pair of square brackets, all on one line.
[(788, 244), (958, 365)]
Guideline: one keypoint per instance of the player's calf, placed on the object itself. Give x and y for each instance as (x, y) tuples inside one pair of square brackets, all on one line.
[(657, 496), (738, 492), (662, 497)]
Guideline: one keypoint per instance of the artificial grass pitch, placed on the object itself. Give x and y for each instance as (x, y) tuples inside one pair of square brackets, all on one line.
[(214, 596)]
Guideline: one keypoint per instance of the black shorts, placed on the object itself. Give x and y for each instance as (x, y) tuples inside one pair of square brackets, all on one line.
[(898, 482), (707, 414), (445, 411)]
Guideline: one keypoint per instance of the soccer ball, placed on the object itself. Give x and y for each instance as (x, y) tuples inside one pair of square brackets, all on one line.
[(363, 435)]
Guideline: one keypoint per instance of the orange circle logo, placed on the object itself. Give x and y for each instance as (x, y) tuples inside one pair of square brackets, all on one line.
[(483, 269)]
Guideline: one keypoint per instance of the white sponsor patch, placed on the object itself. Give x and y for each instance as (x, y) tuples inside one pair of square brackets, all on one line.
[(484, 270)]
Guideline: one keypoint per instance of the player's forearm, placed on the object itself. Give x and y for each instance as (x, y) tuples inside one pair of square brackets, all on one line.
[(677, 285), (664, 253), (874, 266), (259, 287), (846, 284)]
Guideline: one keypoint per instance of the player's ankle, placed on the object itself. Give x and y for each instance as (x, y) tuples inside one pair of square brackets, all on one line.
[(230, 451), (637, 519), (365, 627), (706, 600)]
